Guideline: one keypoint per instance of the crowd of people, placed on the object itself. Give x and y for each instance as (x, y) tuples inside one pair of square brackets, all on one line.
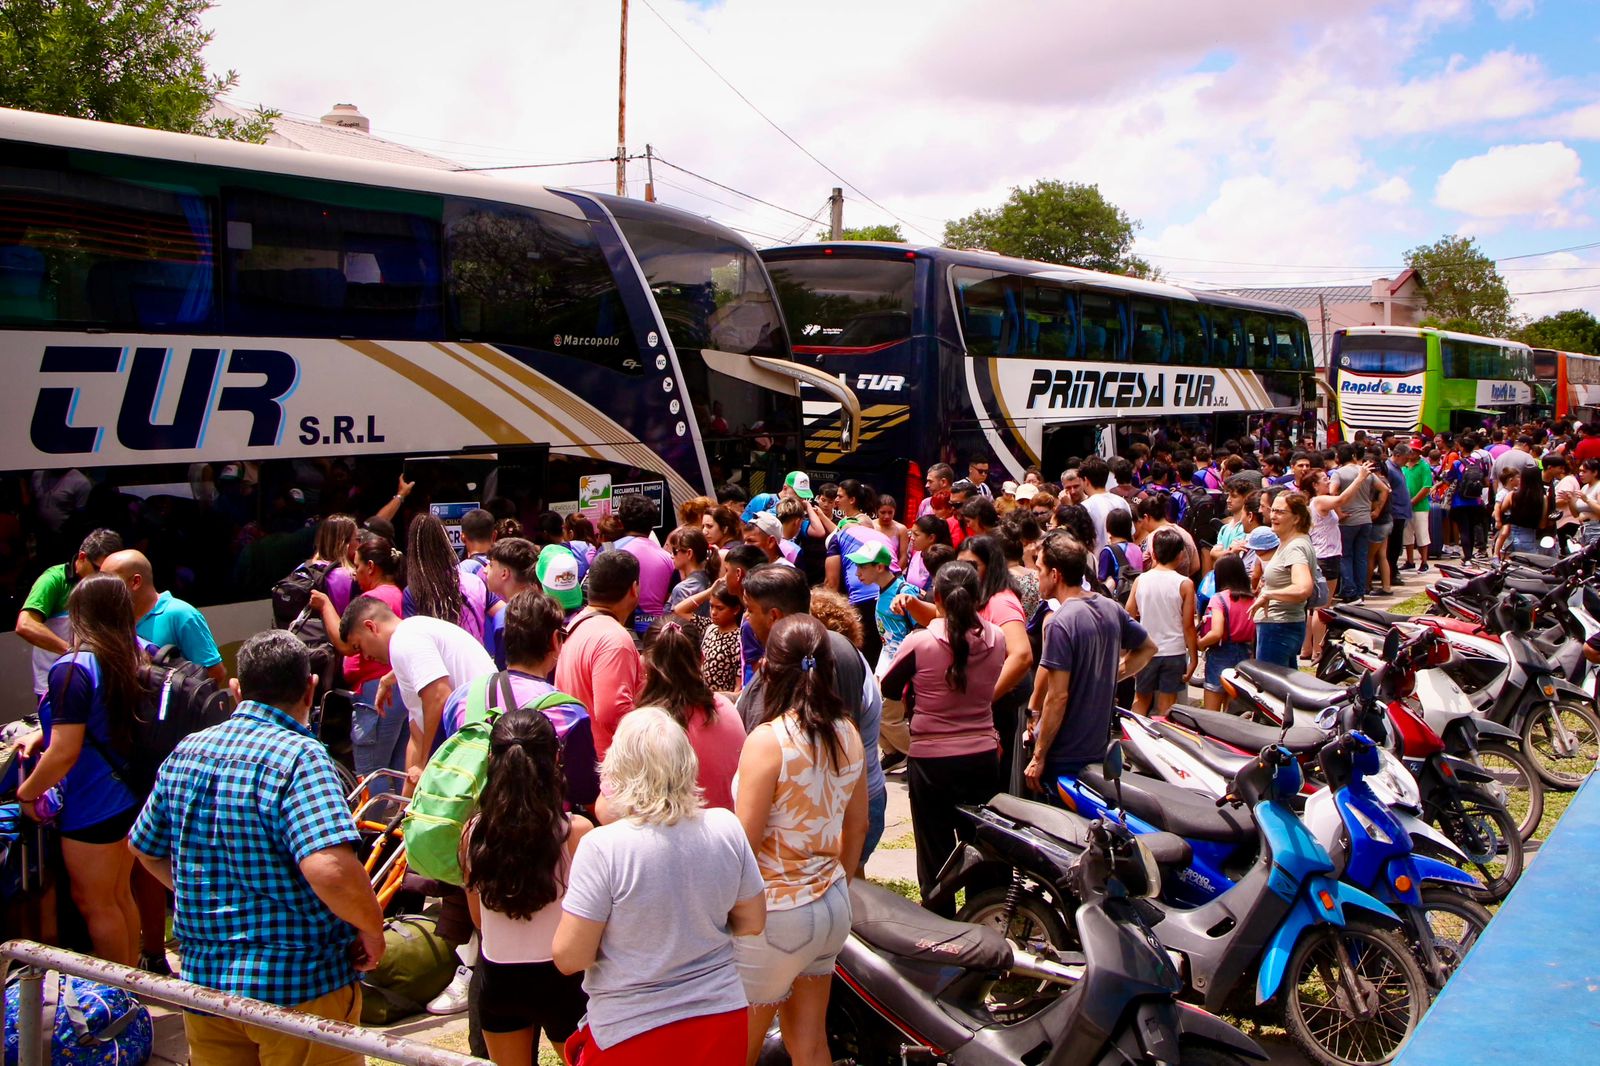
[(690, 763)]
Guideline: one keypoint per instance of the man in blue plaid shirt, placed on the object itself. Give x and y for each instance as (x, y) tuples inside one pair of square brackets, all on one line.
[(248, 825)]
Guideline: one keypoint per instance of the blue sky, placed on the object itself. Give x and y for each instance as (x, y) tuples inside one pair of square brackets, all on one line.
[(1257, 142)]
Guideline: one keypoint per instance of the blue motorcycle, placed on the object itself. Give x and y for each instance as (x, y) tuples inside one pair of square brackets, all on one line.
[(1283, 932)]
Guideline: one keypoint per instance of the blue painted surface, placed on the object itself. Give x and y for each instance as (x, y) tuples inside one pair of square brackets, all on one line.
[(1530, 990)]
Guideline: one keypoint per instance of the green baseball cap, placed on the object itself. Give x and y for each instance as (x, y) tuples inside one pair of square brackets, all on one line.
[(871, 555), (557, 571), (800, 482)]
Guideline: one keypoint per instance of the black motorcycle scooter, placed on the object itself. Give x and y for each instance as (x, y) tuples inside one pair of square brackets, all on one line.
[(912, 987)]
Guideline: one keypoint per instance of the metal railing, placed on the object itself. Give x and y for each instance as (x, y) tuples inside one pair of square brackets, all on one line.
[(37, 958)]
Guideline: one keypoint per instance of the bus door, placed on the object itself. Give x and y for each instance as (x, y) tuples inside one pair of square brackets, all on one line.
[(508, 482)]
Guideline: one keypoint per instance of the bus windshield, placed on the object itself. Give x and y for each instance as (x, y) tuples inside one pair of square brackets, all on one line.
[(1382, 354), (845, 302)]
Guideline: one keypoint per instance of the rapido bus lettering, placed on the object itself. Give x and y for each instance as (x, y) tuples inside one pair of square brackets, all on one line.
[(1120, 389), (1383, 388), (52, 431)]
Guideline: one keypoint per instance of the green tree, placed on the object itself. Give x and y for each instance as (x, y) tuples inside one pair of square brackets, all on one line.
[(879, 232), (1566, 331), (136, 62), (1462, 289), (1054, 222)]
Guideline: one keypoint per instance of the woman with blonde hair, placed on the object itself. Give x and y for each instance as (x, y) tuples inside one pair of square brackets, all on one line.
[(659, 991)]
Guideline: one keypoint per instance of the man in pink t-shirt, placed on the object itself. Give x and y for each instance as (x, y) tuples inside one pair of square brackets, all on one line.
[(657, 574), (599, 663)]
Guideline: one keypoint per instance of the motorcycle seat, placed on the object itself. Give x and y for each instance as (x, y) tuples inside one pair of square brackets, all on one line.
[(1533, 585), (1285, 682), (1537, 560), (1168, 849), (1176, 810), (1210, 752), (1252, 736), (893, 924), (1370, 615)]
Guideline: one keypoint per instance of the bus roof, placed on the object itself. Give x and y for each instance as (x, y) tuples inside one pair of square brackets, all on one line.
[(61, 132), (1029, 267), (1423, 331)]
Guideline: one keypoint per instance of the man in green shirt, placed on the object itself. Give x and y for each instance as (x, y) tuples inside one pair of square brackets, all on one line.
[(1419, 482), (42, 621)]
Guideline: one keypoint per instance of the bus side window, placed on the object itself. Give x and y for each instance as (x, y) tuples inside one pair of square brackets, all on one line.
[(1150, 332), (307, 268), (1104, 328), (1227, 345), (78, 249), (991, 313), (1052, 325), (1188, 335)]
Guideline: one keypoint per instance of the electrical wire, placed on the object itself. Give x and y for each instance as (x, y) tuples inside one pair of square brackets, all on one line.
[(537, 166), (729, 188), (785, 133)]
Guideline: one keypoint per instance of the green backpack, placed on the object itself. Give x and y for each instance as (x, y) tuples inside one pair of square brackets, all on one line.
[(447, 793)]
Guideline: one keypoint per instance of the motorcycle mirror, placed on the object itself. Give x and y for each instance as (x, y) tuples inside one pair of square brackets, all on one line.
[(1366, 688), (1112, 766), (1391, 645)]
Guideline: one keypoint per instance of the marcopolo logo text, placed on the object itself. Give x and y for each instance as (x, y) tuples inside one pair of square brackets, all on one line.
[(572, 340)]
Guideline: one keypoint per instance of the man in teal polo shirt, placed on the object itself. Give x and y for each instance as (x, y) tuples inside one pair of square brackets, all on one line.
[(163, 618)]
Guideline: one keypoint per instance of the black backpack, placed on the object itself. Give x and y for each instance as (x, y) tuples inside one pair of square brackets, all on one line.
[(180, 699), (1200, 516), (1123, 575), (1473, 479), (292, 596)]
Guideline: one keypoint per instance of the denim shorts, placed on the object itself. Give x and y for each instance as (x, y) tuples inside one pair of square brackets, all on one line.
[(799, 942), (1220, 658)]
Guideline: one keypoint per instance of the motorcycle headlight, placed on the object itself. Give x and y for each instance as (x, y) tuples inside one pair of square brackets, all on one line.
[(1393, 782)]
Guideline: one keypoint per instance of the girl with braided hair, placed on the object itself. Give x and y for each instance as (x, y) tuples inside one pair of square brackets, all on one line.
[(435, 587)]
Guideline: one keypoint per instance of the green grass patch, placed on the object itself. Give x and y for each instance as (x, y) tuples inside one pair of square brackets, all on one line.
[(1413, 605), (900, 886), (905, 843)]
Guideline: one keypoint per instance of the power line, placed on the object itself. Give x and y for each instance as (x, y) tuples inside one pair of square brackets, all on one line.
[(785, 133), (538, 166), (729, 188), (816, 218)]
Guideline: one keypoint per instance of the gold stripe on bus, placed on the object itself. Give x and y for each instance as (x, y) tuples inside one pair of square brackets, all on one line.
[(477, 367), (626, 448), (1011, 424), (499, 430)]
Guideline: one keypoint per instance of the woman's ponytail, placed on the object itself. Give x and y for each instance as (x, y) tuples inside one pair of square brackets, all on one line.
[(956, 589)]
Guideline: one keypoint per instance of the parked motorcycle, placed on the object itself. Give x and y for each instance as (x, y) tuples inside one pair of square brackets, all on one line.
[(912, 987)]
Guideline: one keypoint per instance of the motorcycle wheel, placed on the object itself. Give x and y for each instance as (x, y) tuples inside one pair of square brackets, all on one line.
[(1563, 762), (1517, 781), (1337, 1027), (1455, 923), (1035, 926), (1485, 830)]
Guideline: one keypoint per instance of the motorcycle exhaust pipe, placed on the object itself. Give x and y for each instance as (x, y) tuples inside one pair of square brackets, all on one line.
[(1027, 964)]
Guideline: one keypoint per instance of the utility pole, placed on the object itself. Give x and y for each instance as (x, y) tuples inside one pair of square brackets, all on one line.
[(1322, 308), (836, 215), (622, 109), (649, 174)]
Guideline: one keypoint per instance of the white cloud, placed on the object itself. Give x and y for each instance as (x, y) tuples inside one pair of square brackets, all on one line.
[(1512, 181), (1395, 191), (1581, 123), (1554, 283), (1505, 10)]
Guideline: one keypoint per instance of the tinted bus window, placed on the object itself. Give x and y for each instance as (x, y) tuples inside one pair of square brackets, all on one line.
[(712, 293), (1050, 319), (305, 268), (839, 302), (1483, 360), (1105, 327), (1227, 343), (1188, 334), (1545, 364), (991, 312), (1149, 332), (1258, 342), (519, 276), (79, 250), (1381, 354)]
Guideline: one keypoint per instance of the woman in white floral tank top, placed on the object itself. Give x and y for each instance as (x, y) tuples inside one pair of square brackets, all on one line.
[(802, 797)]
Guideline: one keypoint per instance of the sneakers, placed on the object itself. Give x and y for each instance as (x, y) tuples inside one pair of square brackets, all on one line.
[(1408, 566), (155, 963), (453, 1000), (1424, 568), (892, 760)]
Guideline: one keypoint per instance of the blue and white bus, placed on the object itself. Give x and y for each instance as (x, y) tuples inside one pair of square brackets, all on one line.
[(209, 344), (957, 355)]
